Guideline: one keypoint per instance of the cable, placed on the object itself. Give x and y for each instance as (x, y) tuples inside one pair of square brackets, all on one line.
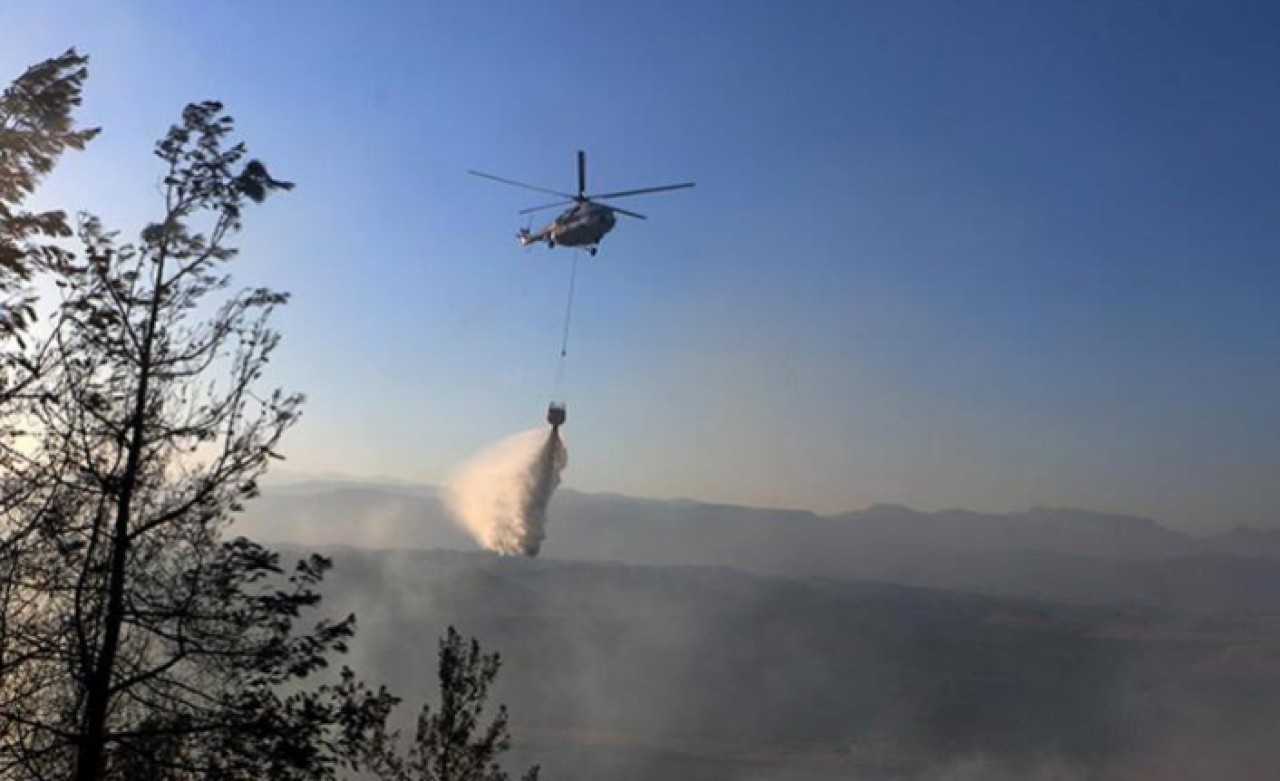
[(568, 307), (568, 319)]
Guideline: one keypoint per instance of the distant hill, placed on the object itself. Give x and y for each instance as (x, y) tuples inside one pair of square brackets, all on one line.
[(1247, 542), (371, 516), (627, 672), (1053, 554)]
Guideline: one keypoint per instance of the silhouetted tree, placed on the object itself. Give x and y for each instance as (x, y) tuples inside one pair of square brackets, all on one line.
[(452, 743), (36, 127), (136, 640)]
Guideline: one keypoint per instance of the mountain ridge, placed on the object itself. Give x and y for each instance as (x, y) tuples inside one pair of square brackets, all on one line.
[(1048, 553)]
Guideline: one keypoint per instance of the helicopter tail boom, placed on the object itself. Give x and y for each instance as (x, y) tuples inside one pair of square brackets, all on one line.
[(528, 237)]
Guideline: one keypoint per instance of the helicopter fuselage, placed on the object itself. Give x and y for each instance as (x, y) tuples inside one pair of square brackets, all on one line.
[(582, 226), (586, 222)]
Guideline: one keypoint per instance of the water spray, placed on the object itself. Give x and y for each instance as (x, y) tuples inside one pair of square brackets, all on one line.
[(501, 496)]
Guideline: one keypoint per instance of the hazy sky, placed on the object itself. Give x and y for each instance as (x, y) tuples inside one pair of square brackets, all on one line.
[(945, 254)]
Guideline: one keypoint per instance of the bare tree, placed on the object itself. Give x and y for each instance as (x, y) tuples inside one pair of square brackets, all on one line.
[(137, 641)]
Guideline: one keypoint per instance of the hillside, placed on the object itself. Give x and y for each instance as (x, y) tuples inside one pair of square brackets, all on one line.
[(641, 672)]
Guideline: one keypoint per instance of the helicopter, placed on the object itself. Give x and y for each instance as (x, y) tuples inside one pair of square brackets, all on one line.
[(587, 221)]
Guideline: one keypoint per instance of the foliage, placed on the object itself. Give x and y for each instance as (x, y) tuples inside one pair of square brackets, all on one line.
[(36, 127), (136, 641), (452, 743)]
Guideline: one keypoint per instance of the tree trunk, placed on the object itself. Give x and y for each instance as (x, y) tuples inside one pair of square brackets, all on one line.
[(92, 749)]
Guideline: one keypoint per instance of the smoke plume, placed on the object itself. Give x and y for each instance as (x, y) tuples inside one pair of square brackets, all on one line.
[(501, 495)]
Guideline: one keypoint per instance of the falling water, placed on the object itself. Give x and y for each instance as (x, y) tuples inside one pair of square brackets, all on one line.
[(501, 495)]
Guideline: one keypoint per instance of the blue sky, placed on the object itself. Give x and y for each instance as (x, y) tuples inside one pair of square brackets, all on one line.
[(988, 255)]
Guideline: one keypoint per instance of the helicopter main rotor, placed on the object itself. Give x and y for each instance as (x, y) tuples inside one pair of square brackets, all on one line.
[(582, 196)]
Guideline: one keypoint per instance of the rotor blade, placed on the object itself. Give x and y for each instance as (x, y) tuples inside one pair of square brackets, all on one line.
[(520, 184), (611, 207), (544, 206), (629, 193), (582, 172)]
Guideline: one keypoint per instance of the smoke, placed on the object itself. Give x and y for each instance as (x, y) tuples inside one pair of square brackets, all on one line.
[(500, 497), (981, 768)]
